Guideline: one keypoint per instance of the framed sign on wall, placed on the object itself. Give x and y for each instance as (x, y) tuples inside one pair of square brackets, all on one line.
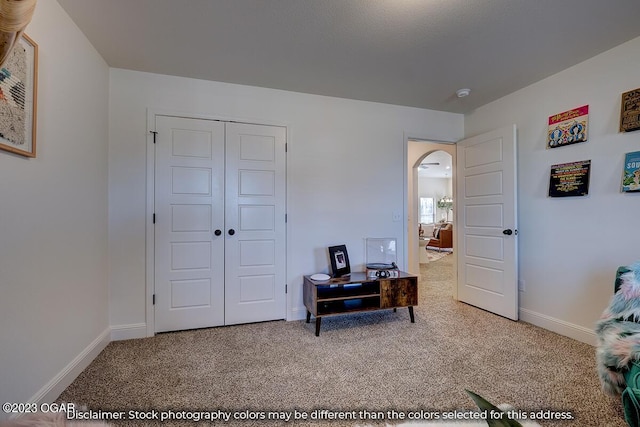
[(570, 179), (630, 111)]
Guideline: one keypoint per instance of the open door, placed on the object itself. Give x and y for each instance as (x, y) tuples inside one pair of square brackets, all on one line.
[(487, 222)]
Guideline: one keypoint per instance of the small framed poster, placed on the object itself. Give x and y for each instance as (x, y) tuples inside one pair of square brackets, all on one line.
[(568, 127), (631, 173), (339, 260), (630, 111), (570, 179)]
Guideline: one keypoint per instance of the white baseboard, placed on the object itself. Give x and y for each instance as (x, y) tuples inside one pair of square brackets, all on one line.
[(128, 332), (60, 382), (298, 313), (578, 333)]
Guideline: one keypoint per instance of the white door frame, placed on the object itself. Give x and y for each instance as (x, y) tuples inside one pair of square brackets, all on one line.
[(150, 198)]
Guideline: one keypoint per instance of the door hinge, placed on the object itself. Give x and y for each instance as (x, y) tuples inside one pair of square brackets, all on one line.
[(286, 289), (154, 218), (154, 299), (286, 217), (286, 147), (154, 135)]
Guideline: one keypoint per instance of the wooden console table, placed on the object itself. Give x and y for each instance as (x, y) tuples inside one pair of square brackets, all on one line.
[(357, 293)]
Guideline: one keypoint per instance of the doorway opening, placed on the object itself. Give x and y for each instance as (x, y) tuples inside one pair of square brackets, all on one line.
[(431, 210), (435, 206)]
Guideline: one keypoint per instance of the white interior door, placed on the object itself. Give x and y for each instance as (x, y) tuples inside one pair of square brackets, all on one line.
[(220, 198), (255, 219), (487, 222), (189, 200)]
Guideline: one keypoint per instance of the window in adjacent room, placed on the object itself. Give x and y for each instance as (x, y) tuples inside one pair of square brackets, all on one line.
[(427, 210)]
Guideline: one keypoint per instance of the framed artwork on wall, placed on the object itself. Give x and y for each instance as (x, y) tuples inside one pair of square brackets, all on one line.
[(631, 173), (339, 260), (18, 99), (630, 111), (568, 127), (570, 179)]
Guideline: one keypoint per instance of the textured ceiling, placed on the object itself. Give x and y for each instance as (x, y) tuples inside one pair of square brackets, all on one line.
[(406, 52)]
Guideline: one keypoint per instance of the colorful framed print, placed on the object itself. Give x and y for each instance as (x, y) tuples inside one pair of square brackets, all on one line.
[(570, 179), (631, 173), (630, 111), (18, 99), (568, 127)]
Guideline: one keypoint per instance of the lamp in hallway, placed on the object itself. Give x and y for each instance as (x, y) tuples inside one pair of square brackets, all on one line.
[(446, 203)]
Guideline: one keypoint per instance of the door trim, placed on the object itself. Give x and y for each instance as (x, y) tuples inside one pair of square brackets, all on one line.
[(150, 202)]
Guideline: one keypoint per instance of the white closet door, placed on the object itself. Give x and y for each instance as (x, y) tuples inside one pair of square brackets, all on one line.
[(220, 225), (255, 223), (189, 208)]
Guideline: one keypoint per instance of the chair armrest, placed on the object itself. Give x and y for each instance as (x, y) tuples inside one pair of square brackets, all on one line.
[(446, 238)]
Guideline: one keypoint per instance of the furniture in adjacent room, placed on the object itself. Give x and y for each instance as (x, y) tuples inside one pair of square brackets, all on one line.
[(442, 237), (358, 293)]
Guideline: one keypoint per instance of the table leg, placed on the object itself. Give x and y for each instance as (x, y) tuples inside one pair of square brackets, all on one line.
[(308, 316), (318, 322), (413, 320)]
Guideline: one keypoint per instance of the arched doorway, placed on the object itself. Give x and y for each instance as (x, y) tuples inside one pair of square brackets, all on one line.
[(435, 206), (417, 151)]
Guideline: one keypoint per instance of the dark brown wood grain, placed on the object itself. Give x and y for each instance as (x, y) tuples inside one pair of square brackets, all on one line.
[(357, 293), (401, 292)]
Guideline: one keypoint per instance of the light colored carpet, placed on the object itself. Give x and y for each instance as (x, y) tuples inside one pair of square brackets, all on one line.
[(375, 361), (435, 254)]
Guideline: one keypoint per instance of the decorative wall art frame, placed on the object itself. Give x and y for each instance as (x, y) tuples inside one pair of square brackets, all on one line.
[(339, 260), (631, 173), (630, 111), (570, 179), (18, 99), (568, 127)]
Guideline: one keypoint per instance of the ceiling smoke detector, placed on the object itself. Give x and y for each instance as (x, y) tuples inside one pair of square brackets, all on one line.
[(463, 92)]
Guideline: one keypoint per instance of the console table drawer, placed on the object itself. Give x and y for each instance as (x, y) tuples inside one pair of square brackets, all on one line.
[(398, 292)]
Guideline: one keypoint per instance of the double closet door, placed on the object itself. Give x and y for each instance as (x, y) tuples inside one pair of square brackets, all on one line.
[(219, 223)]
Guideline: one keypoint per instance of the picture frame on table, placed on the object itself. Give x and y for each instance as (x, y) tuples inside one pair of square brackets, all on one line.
[(339, 260), (18, 101)]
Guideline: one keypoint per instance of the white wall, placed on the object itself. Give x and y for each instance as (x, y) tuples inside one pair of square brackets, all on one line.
[(53, 221), (569, 248), (343, 156)]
